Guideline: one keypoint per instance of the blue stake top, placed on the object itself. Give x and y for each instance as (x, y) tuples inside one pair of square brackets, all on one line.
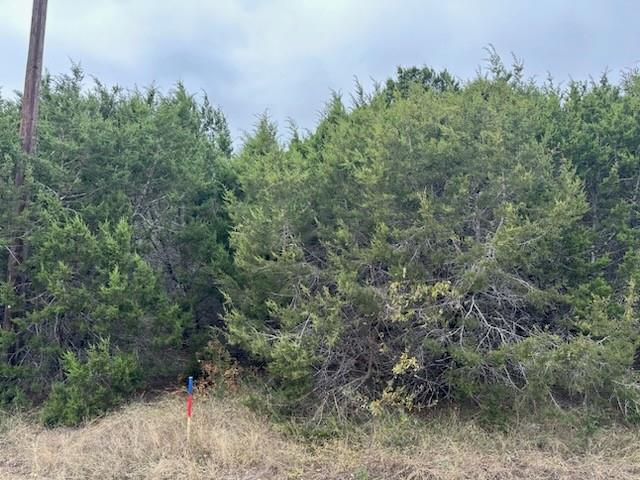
[(190, 386)]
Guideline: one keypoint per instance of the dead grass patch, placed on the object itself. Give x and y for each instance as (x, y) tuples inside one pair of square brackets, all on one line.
[(147, 441)]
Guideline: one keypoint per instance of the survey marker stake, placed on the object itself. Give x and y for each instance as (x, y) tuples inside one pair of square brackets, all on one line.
[(189, 407)]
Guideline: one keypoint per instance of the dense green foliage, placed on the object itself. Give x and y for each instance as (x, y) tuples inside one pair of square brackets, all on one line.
[(436, 242), (126, 232), (103, 381), (468, 243)]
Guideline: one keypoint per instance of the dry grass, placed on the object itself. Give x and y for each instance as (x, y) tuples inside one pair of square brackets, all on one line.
[(147, 441)]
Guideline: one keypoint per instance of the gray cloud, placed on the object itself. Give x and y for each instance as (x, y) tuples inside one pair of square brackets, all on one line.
[(284, 56)]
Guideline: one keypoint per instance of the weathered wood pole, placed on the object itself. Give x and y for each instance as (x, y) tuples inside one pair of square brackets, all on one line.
[(28, 118)]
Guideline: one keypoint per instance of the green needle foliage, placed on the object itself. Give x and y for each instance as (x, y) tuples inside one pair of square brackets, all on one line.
[(126, 231), (102, 381), (469, 243), (437, 242)]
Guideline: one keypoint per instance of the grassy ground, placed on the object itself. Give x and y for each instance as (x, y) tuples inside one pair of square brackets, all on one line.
[(147, 441)]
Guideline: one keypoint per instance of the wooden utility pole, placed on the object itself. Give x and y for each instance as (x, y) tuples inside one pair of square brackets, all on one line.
[(28, 120)]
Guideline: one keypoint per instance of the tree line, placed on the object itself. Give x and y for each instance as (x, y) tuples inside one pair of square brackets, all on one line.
[(431, 242)]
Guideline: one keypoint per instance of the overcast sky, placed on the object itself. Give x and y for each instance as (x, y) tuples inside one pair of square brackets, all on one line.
[(285, 56)]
